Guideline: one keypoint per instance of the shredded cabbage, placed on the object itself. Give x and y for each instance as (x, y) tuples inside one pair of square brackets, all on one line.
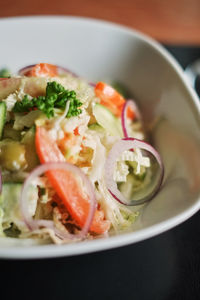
[(82, 145), (121, 217)]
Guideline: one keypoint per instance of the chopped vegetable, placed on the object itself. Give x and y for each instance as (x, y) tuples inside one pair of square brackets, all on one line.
[(4, 73), (129, 104), (118, 149), (12, 155), (10, 205), (107, 120), (67, 186), (56, 97), (42, 70), (30, 152), (10, 133), (110, 98), (64, 161)]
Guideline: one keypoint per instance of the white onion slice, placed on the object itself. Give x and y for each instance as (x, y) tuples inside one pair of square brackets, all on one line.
[(129, 103), (36, 224), (118, 148)]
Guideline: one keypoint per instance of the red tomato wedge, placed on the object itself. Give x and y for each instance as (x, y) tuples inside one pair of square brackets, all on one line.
[(66, 186), (110, 98), (42, 70)]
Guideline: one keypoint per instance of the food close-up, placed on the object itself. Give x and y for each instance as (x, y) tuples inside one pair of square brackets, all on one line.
[(76, 160)]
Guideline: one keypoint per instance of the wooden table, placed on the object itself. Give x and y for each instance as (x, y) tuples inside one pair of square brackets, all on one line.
[(169, 21)]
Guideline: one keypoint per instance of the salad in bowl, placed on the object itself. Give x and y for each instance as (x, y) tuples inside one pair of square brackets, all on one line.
[(74, 159)]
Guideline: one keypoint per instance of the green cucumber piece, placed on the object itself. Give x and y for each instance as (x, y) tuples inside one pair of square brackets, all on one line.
[(2, 117), (107, 120), (96, 127)]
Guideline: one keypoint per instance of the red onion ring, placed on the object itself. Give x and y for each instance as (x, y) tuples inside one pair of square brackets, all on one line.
[(61, 70), (118, 148), (92, 84), (129, 103), (24, 70), (35, 224), (65, 70)]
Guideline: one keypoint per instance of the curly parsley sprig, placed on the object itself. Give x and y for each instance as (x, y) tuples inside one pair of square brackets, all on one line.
[(56, 97)]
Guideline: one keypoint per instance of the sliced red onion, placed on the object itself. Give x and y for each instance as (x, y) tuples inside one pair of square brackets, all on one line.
[(65, 70), (129, 103), (24, 70), (92, 84), (60, 69), (115, 152), (35, 224)]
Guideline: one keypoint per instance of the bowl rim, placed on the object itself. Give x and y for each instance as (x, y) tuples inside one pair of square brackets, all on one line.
[(50, 251)]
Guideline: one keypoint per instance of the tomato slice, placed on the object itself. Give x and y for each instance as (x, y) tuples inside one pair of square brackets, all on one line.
[(110, 98), (66, 185), (42, 70)]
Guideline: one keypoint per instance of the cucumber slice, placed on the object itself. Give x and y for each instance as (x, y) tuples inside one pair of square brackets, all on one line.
[(107, 120), (2, 117), (96, 127)]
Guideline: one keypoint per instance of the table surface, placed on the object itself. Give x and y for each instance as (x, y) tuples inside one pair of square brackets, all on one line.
[(169, 21)]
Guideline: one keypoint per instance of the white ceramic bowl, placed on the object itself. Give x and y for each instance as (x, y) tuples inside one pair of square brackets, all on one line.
[(101, 50)]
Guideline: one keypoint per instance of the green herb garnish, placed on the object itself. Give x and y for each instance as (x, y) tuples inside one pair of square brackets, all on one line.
[(56, 97)]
